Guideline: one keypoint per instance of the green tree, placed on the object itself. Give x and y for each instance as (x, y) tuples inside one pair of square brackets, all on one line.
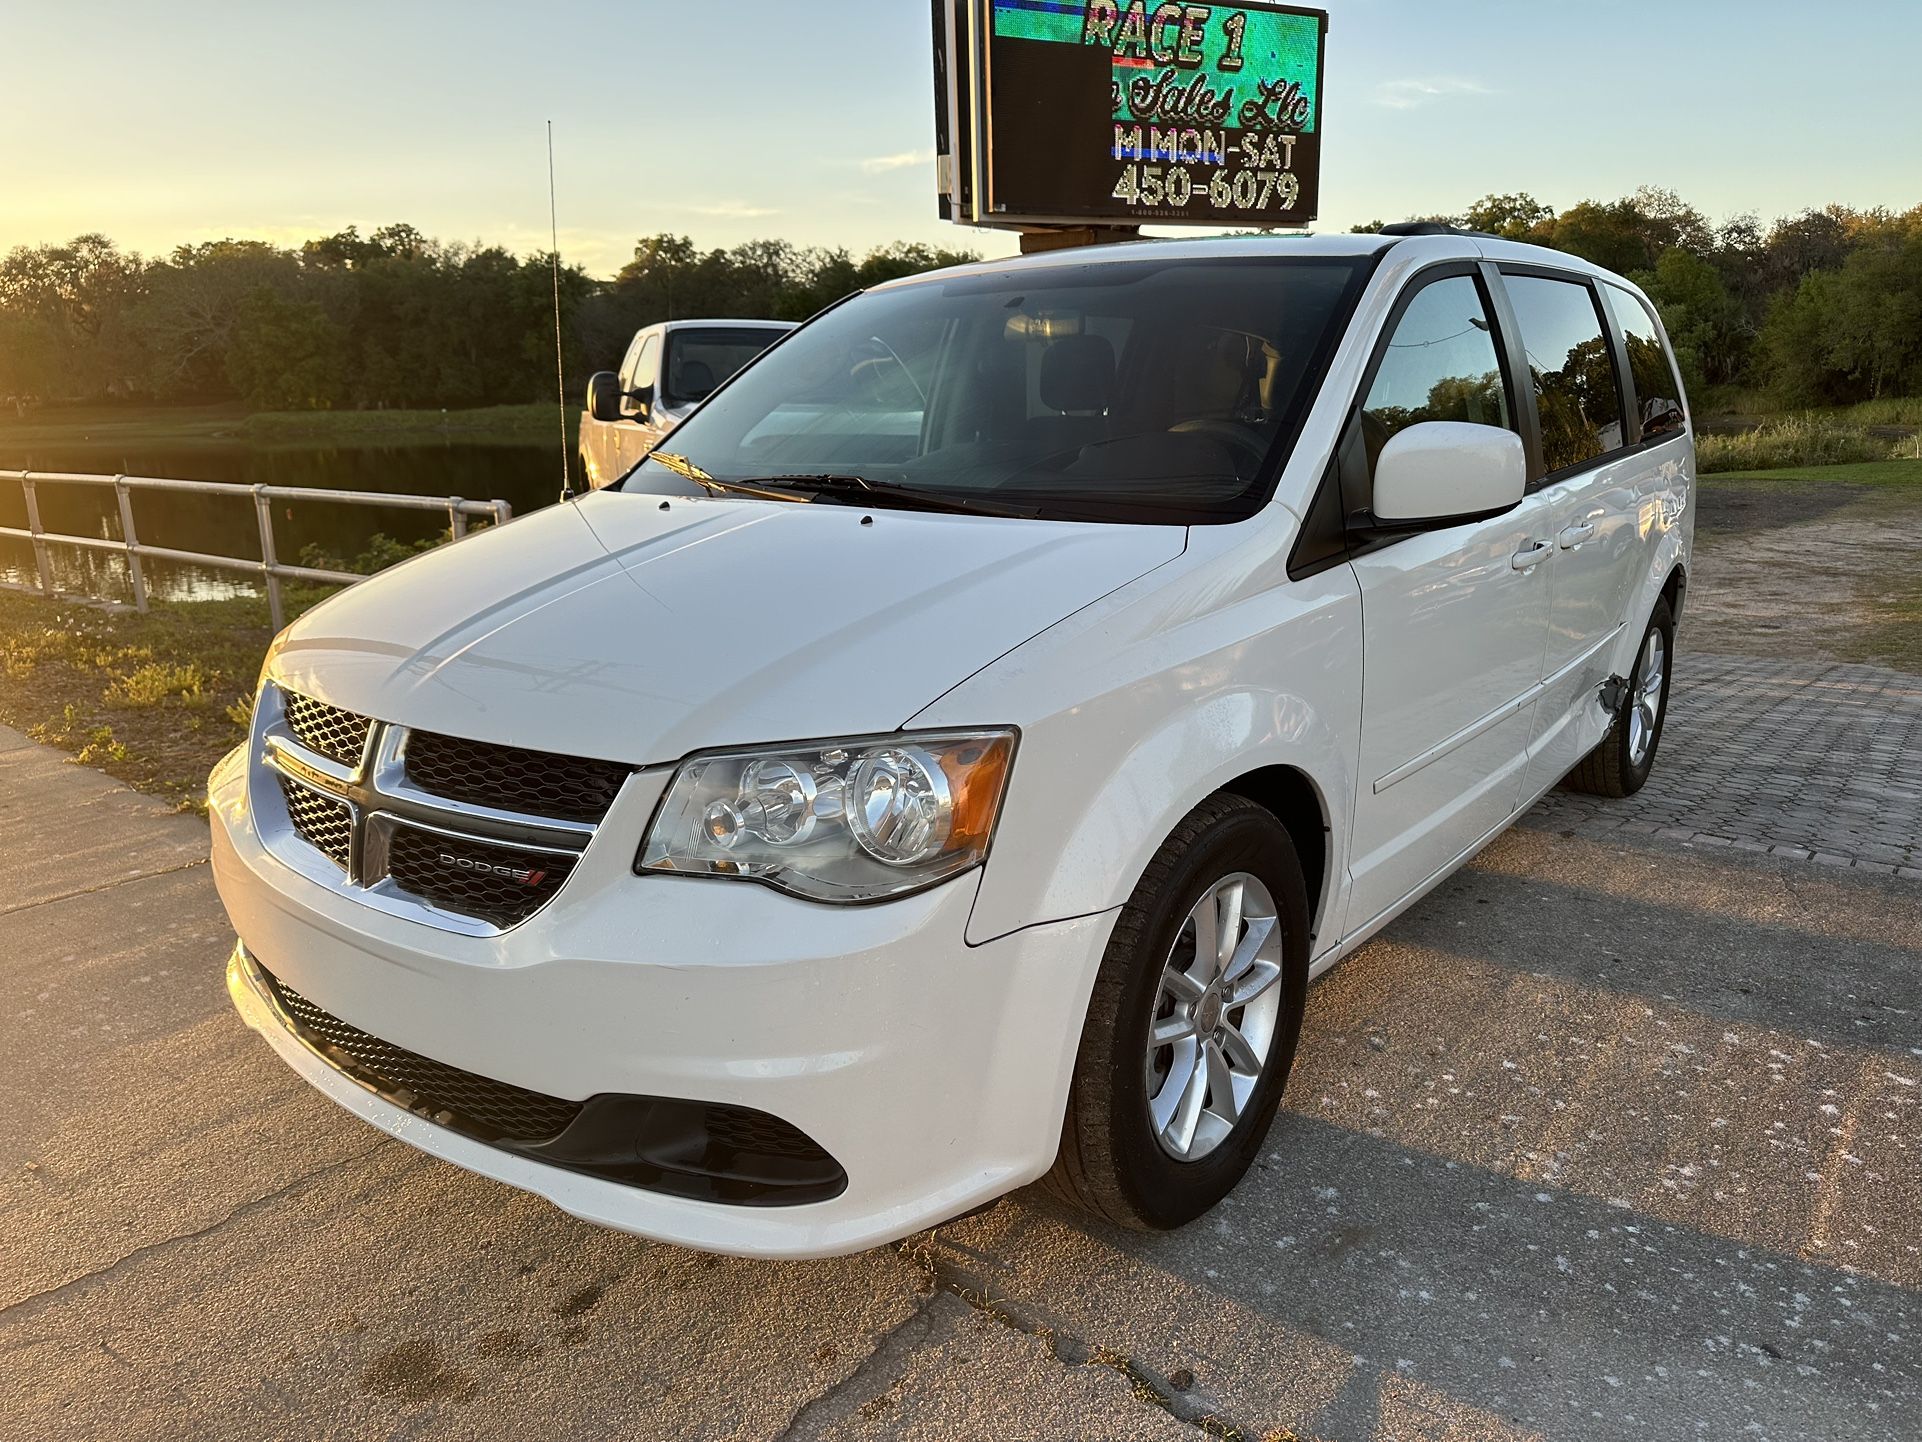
[(1513, 217), (186, 321), (1705, 321), (287, 355), (1850, 334), (1876, 326), (66, 308)]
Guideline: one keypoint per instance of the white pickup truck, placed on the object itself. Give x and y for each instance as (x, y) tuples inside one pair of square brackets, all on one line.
[(668, 371)]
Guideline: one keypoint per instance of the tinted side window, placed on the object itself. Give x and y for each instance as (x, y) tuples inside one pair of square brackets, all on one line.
[(646, 373), (1441, 365), (1573, 371), (1658, 394)]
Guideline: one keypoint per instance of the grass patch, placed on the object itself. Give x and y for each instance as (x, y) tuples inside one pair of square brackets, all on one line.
[(145, 425), (155, 700), (1864, 473), (120, 425), (1893, 637), (1747, 404), (492, 425), (1799, 441), (158, 683), (1889, 411)]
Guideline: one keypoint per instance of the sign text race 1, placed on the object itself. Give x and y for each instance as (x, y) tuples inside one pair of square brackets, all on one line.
[(1126, 112)]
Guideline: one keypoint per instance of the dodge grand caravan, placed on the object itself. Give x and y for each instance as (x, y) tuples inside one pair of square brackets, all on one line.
[(948, 763)]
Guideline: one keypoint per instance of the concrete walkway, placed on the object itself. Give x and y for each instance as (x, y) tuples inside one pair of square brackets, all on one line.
[(1616, 1135)]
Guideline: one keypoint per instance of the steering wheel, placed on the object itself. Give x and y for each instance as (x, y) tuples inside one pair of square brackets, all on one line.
[(1238, 436)]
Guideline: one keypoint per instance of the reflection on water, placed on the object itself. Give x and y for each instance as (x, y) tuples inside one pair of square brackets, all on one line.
[(524, 476)]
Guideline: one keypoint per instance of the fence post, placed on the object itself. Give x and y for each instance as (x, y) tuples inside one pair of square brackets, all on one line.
[(503, 513), (270, 564), (134, 569), (456, 518), (41, 560)]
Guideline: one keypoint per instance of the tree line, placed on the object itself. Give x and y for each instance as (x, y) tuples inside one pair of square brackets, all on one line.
[(1817, 309), (393, 319)]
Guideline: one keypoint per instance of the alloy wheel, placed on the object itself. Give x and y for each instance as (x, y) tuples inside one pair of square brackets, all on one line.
[(1214, 1017), (1645, 705)]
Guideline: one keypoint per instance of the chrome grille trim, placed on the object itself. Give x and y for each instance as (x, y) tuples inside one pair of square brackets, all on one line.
[(300, 784), (320, 820), (340, 736)]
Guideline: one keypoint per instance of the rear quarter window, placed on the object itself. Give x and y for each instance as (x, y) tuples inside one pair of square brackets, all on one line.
[(1658, 387)]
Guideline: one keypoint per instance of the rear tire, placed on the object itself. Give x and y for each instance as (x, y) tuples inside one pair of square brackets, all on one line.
[(1128, 1108), (1620, 766)]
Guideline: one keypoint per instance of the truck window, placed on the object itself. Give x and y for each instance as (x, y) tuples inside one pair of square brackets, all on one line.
[(700, 362)]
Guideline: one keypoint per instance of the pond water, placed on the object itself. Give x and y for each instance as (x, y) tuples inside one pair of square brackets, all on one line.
[(527, 477)]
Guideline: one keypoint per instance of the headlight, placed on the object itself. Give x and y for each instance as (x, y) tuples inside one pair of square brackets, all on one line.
[(838, 821)]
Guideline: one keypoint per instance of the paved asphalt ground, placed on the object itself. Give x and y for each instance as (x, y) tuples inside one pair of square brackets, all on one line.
[(1618, 1135)]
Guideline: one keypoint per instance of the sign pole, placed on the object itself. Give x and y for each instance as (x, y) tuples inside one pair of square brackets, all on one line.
[(1042, 239)]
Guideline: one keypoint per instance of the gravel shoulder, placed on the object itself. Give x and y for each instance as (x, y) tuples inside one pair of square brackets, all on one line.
[(1809, 570)]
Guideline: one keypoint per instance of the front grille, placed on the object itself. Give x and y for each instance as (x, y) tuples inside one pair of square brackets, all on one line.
[(465, 877), (336, 734), (508, 778), (509, 1112), (442, 860), (322, 822)]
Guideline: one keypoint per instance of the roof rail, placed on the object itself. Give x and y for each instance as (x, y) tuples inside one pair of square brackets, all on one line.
[(1407, 228)]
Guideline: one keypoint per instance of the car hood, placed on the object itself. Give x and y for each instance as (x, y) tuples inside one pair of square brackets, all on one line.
[(634, 629)]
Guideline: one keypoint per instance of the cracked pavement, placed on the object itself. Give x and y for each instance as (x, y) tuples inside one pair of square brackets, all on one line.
[(1619, 1133)]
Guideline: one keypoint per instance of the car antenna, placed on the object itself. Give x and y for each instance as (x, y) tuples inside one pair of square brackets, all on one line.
[(560, 363)]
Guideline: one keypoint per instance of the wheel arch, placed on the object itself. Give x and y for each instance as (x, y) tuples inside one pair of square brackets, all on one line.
[(1675, 589), (1291, 796), (1665, 579)]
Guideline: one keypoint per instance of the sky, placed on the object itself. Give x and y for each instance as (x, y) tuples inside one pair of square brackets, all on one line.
[(731, 120)]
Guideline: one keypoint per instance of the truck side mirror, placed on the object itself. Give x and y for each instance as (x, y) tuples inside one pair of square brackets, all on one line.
[(604, 396), (642, 398)]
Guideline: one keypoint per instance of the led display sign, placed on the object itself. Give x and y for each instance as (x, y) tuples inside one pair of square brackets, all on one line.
[(1128, 112)]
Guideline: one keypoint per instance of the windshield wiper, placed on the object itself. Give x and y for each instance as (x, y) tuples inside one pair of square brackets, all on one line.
[(682, 467), (714, 485), (859, 490), (840, 490)]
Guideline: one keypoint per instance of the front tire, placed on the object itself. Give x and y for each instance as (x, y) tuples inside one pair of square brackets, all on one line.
[(1621, 765), (1192, 1028)]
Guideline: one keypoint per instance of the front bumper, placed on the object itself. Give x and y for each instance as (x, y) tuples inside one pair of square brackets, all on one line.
[(933, 1072)]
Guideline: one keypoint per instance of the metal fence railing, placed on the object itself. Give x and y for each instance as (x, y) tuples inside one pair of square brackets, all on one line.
[(269, 568)]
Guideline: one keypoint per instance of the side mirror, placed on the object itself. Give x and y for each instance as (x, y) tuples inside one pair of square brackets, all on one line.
[(1440, 472), (604, 396), (642, 398)]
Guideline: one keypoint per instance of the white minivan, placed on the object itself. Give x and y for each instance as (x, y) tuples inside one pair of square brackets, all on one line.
[(948, 763), (668, 370)]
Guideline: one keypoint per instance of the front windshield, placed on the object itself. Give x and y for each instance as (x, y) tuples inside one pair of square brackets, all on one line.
[(1140, 390)]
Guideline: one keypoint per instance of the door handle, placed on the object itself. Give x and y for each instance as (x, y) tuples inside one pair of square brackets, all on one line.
[(1533, 556), (1578, 535)]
